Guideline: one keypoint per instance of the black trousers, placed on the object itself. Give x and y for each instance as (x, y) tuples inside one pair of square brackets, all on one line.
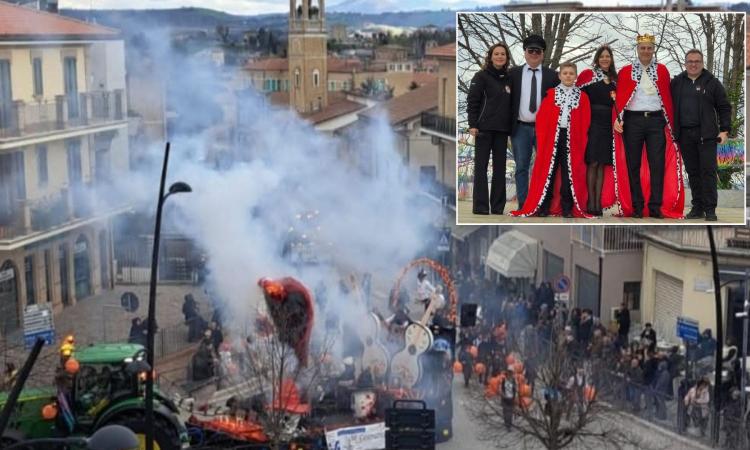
[(638, 129), (701, 167), (495, 143), (561, 161)]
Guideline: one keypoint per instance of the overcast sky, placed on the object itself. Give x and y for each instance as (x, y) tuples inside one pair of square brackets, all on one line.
[(252, 7)]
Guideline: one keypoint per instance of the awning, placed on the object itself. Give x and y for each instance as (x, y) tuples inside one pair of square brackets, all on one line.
[(460, 232), (513, 255)]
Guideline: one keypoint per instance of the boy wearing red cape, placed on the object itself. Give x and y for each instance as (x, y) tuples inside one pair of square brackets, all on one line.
[(558, 180), (647, 165)]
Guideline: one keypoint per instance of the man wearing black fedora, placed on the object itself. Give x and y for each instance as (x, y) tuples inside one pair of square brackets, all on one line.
[(530, 83)]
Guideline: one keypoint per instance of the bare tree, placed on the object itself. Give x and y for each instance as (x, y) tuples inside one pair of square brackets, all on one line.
[(560, 414), (569, 37), (281, 382)]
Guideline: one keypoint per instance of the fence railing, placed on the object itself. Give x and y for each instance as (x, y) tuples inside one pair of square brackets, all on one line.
[(19, 118)]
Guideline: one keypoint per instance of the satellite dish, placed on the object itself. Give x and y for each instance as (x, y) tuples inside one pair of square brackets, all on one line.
[(129, 302)]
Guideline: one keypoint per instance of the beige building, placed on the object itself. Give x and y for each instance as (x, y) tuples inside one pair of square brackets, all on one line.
[(63, 137), (678, 277), (441, 125), (404, 115), (580, 253)]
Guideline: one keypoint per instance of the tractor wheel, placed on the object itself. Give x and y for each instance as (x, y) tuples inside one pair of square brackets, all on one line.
[(165, 436)]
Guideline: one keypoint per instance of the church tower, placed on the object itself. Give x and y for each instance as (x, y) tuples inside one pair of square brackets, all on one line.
[(307, 55)]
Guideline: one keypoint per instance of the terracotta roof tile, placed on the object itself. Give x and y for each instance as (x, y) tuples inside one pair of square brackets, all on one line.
[(22, 22), (268, 64), (443, 51), (337, 106), (344, 65), (422, 78), (410, 104)]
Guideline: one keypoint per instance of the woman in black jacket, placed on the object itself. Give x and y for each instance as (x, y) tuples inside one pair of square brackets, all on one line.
[(489, 111)]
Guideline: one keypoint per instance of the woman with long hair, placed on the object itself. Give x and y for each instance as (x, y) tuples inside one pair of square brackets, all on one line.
[(488, 107), (599, 83)]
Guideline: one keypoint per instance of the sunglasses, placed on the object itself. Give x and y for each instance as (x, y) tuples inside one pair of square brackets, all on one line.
[(534, 51)]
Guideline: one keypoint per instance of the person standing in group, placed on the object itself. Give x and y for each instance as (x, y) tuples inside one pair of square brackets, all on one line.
[(561, 132), (644, 119), (599, 83), (702, 117), (488, 107), (530, 83)]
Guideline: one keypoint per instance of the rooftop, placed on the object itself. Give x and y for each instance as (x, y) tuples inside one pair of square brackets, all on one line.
[(447, 51), (409, 105), (19, 22)]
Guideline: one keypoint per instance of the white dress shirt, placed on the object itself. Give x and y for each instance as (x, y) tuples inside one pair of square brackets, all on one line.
[(646, 96), (524, 114)]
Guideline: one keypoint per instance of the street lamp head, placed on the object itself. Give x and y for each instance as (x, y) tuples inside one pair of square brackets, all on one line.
[(113, 437), (178, 187)]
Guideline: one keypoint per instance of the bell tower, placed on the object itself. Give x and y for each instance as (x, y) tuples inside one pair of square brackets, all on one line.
[(307, 55)]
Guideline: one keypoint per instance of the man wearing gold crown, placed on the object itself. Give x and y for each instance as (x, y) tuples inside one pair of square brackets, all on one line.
[(643, 120)]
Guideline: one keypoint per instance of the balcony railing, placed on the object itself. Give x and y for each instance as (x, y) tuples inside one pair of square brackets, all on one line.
[(18, 119), (68, 205), (608, 239), (440, 124), (694, 238)]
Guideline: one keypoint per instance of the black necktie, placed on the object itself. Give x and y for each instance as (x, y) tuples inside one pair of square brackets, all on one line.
[(532, 97)]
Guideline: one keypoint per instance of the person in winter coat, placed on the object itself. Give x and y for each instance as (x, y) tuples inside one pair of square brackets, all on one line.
[(702, 117), (661, 389), (489, 113)]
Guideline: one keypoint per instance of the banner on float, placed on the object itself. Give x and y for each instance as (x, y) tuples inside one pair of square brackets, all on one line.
[(365, 437)]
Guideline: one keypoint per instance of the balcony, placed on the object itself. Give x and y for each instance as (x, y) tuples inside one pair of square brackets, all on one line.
[(608, 239), (20, 119), (696, 238), (439, 126), (46, 214)]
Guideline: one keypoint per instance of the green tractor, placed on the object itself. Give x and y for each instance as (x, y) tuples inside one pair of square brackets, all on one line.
[(108, 388)]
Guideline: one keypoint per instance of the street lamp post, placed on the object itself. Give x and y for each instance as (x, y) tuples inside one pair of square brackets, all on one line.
[(175, 188), (719, 337), (743, 383)]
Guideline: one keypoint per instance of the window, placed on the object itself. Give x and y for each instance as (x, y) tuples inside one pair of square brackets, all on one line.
[(408, 67), (29, 269), (41, 165), (331, 85), (553, 266), (296, 78), (400, 67), (316, 78), (75, 175), (587, 290), (631, 294), (38, 84)]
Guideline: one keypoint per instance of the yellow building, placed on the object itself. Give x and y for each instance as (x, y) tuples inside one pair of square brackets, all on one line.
[(678, 278), (441, 125), (63, 138)]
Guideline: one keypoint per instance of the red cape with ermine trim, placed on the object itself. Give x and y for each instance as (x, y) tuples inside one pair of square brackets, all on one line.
[(547, 123), (673, 197)]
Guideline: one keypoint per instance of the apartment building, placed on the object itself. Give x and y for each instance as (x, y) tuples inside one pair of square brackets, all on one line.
[(63, 140)]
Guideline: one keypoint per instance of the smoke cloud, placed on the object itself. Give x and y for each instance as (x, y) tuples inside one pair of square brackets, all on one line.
[(247, 194)]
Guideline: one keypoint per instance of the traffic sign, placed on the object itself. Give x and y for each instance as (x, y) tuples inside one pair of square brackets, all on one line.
[(561, 284), (687, 329), (444, 245), (37, 322), (129, 302)]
